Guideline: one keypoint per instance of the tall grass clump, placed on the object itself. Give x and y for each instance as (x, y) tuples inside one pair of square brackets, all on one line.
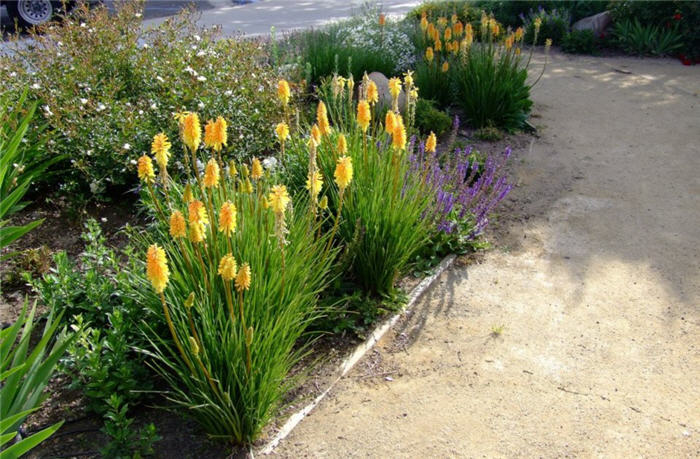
[(234, 268), (379, 219)]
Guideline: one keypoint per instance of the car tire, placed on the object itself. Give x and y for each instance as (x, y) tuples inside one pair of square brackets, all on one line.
[(30, 13)]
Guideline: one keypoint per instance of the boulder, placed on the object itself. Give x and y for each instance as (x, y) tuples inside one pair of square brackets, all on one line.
[(596, 23)]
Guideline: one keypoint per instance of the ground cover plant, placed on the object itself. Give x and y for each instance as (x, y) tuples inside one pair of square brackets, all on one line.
[(103, 82)]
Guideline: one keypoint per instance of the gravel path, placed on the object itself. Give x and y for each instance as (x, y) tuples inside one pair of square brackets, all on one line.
[(595, 280)]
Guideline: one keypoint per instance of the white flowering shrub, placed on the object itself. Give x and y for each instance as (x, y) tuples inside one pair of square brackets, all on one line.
[(105, 86)]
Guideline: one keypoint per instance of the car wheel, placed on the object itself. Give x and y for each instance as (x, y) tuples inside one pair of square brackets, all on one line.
[(31, 13)]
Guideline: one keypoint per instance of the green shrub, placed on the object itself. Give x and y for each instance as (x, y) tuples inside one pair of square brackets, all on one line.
[(635, 38), (580, 42), (430, 119), (106, 85), (492, 89), (433, 83), (25, 375), (555, 25)]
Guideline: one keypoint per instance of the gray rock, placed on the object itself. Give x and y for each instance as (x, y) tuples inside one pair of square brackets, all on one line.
[(596, 23)]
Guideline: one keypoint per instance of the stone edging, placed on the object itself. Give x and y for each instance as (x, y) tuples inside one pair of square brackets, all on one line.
[(359, 352)]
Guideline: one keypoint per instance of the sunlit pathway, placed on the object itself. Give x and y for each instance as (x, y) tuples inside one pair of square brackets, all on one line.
[(596, 283)]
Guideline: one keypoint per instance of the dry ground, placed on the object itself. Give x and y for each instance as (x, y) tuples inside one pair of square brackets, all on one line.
[(595, 280)]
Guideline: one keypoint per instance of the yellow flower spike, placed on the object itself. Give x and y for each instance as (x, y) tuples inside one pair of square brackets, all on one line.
[(430, 31), (509, 42), (256, 169), (196, 234), (283, 92), (323, 203), (343, 172), (215, 135), (423, 23), (538, 23), (232, 171), (316, 134), (197, 213), (454, 19), (398, 138), (245, 172), (157, 268), (431, 143), (247, 186), (177, 225), (448, 34), (372, 92), (519, 32), (395, 87), (228, 268), (517, 51), (211, 174), (429, 55), (408, 79), (227, 218), (145, 169), (547, 44), (351, 85), (438, 45), (364, 115), (279, 199), (342, 144), (187, 195), (160, 147), (445, 67), (382, 20), (322, 118), (389, 122), (194, 345), (190, 130), (442, 21), (314, 186), (243, 278), (282, 131)]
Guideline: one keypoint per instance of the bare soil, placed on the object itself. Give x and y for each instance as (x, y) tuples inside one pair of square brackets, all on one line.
[(579, 335)]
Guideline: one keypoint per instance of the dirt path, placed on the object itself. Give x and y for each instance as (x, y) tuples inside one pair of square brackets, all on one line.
[(596, 280)]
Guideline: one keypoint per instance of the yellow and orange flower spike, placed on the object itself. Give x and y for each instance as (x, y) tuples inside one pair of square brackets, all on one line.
[(314, 186), (197, 213), (389, 122), (429, 55), (430, 31), (177, 225), (211, 174), (372, 92), (282, 131), (431, 143), (157, 268), (145, 169), (316, 134), (243, 278), (160, 147), (322, 118), (279, 199), (343, 172), (227, 218), (364, 115), (395, 87), (448, 34), (215, 135), (438, 45), (423, 23), (454, 18), (382, 20), (442, 21), (398, 137), (190, 130), (458, 29), (519, 32), (228, 267), (342, 144), (256, 169), (283, 92), (445, 67), (196, 234)]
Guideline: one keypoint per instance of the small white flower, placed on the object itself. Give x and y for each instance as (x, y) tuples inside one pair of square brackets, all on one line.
[(201, 105), (159, 78), (197, 37), (104, 219), (36, 86), (126, 147), (154, 106), (100, 107), (83, 101), (140, 112), (13, 74), (201, 78), (138, 15), (47, 110), (270, 162), (94, 187), (201, 53), (133, 161), (228, 92), (83, 25)]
